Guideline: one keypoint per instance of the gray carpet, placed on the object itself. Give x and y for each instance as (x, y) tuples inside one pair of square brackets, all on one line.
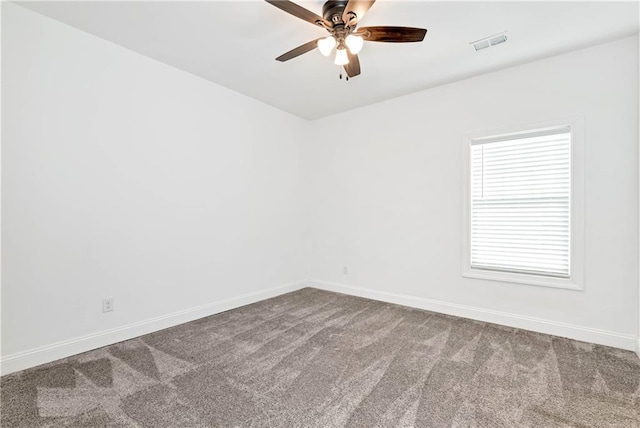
[(317, 359)]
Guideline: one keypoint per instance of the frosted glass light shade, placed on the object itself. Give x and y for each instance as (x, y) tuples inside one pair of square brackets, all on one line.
[(341, 57), (326, 45), (354, 43)]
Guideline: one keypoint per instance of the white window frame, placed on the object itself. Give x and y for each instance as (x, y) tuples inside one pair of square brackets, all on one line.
[(576, 280)]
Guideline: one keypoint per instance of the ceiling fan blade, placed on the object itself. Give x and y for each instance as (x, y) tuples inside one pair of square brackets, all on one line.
[(353, 67), (309, 46), (299, 11), (357, 8), (392, 34)]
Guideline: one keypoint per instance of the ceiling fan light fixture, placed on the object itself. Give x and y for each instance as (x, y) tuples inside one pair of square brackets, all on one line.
[(341, 57), (326, 45), (354, 43)]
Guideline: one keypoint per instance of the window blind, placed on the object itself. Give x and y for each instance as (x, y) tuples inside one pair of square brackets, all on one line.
[(521, 203)]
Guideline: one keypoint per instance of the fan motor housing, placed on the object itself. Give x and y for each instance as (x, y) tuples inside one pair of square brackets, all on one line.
[(334, 8)]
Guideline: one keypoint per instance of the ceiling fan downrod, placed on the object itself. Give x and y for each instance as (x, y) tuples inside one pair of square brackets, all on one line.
[(333, 10)]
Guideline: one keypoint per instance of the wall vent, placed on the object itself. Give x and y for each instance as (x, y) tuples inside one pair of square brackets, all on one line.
[(487, 42)]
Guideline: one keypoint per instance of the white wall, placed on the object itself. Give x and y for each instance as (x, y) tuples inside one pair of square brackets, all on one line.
[(388, 196), (124, 177)]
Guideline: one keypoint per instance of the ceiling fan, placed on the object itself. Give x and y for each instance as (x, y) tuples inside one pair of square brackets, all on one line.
[(340, 18)]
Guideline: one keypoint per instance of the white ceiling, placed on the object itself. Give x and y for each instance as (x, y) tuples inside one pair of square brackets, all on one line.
[(234, 43)]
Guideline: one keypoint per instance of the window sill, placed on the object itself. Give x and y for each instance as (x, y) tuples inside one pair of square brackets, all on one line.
[(521, 278)]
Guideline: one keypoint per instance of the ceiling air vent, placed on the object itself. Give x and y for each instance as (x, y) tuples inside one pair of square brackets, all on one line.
[(496, 39)]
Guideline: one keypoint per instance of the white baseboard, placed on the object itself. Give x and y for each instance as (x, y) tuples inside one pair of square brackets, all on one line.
[(44, 354), (41, 355), (585, 334)]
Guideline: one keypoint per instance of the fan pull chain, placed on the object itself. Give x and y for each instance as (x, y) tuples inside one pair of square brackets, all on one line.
[(340, 74)]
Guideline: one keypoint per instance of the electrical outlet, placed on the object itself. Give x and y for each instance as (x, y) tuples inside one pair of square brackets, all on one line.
[(107, 305), (345, 270)]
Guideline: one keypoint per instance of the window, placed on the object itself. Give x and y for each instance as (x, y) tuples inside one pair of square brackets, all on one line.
[(520, 207)]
